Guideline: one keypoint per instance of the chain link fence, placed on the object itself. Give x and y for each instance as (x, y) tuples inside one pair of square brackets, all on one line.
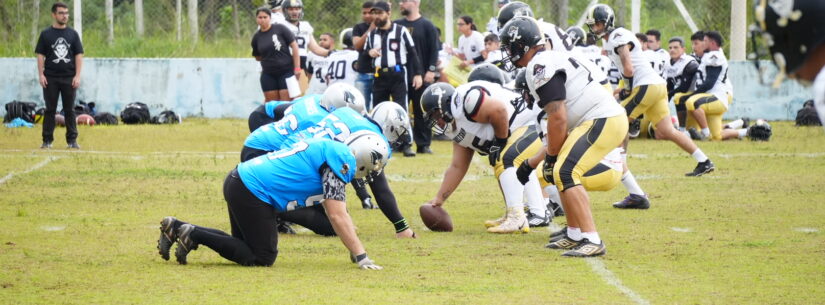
[(222, 28)]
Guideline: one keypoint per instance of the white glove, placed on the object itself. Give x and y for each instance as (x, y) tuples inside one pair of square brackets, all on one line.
[(365, 262)]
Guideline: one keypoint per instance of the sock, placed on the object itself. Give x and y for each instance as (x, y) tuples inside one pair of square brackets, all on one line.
[(735, 124), (706, 132), (631, 185), (593, 237), (682, 129), (574, 233), (512, 188), (743, 133), (535, 201), (699, 156), (553, 193)]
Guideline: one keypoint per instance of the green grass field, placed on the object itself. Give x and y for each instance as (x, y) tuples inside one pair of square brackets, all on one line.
[(81, 228)]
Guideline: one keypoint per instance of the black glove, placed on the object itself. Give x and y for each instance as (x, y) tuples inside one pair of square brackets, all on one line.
[(495, 150), (624, 94), (523, 172), (547, 170)]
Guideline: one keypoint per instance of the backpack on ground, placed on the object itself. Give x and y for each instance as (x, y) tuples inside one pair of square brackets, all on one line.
[(807, 115), (106, 118), (166, 117), (18, 109), (135, 113)]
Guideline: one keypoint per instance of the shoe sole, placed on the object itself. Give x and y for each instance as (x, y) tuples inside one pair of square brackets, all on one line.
[(710, 170), (602, 253), (524, 230), (164, 242), (631, 207)]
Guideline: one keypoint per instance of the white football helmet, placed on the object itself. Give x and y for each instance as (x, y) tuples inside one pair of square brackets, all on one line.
[(371, 152), (394, 121), (340, 95)]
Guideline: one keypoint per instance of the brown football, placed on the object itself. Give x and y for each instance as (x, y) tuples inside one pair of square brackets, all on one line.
[(435, 218), (85, 119)]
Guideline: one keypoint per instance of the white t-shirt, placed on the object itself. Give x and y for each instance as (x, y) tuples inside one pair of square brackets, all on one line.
[(277, 17), (492, 25), (471, 46), (340, 67), (586, 99), (643, 73), (721, 88)]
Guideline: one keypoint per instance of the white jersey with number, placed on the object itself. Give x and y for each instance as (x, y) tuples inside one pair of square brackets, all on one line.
[(303, 34), (643, 73), (586, 98), (341, 67), (659, 60), (721, 88), (478, 136), (317, 81), (674, 71), (558, 38), (594, 54)]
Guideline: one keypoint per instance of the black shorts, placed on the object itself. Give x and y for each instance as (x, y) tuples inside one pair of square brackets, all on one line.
[(272, 82)]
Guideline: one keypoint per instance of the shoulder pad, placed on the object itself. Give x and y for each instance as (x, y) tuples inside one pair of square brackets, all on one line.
[(473, 100)]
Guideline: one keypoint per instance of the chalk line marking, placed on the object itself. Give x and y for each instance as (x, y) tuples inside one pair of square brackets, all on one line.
[(806, 230), (599, 268), (31, 169), (682, 230), (53, 228)]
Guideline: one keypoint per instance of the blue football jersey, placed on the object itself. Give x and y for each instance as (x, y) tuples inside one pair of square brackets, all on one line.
[(269, 107), (304, 113), (290, 179), (338, 126)]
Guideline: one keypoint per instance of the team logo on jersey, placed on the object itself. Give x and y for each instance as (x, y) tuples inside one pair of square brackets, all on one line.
[(394, 45), (61, 50), (538, 70), (344, 169), (472, 48)]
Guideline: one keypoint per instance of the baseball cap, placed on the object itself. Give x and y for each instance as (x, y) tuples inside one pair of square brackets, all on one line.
[(381, 5)]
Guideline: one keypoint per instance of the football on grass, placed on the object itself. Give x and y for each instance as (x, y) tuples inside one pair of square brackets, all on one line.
[(435, 218), (85, 119)]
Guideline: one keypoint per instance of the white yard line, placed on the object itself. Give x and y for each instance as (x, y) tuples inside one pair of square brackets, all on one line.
[(31, 169)]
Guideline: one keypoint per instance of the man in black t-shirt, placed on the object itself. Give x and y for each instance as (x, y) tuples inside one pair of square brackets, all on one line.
[(425, 37), (59, 62)]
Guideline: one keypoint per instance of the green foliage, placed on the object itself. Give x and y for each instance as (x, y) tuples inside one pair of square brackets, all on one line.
[(83, 228)]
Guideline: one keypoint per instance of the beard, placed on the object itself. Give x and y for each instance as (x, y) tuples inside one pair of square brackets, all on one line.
[(405, 12), (381, 22)]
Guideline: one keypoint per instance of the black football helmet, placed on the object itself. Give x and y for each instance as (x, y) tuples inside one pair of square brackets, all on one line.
[(512, 10), (346, 38), (577, 36), (520, 87), (287, 4), (487, 72), (435, 103), (600, 13), (273, 4), (518, 36), (790, 29)]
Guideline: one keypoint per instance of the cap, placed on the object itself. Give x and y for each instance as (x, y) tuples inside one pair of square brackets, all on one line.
[(381, 5)]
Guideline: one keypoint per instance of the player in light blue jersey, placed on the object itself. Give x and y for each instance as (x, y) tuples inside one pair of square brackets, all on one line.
[(269, 112), (304, 184), (302, 114)]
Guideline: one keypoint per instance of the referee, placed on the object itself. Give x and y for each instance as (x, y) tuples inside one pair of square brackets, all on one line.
[(393, 52)]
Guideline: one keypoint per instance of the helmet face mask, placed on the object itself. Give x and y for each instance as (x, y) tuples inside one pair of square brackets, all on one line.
[(370, 151), (291, 4), (435, 104), (600, 14)]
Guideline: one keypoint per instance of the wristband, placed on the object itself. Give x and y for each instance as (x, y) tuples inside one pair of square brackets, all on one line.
[(360, 257), (297, 69), (550, 159)]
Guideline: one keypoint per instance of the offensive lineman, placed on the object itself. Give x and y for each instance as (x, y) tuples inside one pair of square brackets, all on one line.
[(584, 124)]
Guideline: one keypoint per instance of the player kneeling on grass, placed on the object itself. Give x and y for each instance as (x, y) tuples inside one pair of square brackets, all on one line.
[(486, 118), (304, 184), (584, 124)]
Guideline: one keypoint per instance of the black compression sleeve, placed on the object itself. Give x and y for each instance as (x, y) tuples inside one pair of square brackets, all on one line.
[(386, 201), (710, 79), (553, 90)]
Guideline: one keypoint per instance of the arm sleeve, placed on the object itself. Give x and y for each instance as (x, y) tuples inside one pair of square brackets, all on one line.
[(334, 187), (255, 46), (710, 79), (413, 57), (77, 46), (553, 90), (433, 47), (41, 47), (288, 36), (688, 74)]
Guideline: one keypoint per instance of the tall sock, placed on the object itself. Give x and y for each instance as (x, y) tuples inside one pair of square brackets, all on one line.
[(592, 236), (735, 124), (699, 156), (512, 188), (535, 201), (706, 132), (553, 193), (574, 233), (631, 185), (743, 133)]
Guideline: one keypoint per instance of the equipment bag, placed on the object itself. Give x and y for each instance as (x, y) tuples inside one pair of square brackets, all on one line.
[(135, 113), (807, 115), (18, 109)]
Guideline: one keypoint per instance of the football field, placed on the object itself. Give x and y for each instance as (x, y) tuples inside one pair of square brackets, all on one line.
[(80, 227)]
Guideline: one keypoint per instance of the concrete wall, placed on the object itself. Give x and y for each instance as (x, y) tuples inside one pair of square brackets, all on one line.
[(229, 87)]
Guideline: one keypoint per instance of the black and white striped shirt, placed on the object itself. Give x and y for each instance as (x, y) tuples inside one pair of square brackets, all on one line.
[(395, 43)]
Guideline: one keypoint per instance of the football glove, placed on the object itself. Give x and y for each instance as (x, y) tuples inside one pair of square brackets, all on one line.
[(523, 172), (547, 170), (364, 262), (495, 150)]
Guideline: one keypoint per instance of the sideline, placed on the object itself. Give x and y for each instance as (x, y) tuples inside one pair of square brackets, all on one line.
[(31, 169)]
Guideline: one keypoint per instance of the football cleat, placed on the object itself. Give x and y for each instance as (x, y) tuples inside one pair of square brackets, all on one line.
[(408, 151), (168, 236), (539, 220), (185, 243), (72, 145), (515, 222), (495, 222), (563, 243), (555, 208), (285, 227), (558, 235), (633, 201), (46, 145), (701, 169), (635, 128), (367, 204), (587, 249), (695, 134)]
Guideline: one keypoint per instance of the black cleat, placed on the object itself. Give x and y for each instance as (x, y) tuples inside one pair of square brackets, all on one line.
[(555, 208), (168, 236), (563, 243), (633, 201), (73, 145), (587, 249), (634, 128), (701, 169), (367, 204), (425, 149), (285, 227), (695, 134), (185, 243), (408, 152), (46, 145), (539, 220), (558, 235)]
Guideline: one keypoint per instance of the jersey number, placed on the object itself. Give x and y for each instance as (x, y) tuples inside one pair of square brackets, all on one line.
[(576, 65), (338, 131), (289, 121), (338, 70), (564, 40), (302, 43), (298, 147)]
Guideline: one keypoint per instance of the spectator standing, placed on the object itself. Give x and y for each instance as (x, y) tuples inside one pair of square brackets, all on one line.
[(275, 47), (59, 63), (425, 37), (364, 66), (470, 44)]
